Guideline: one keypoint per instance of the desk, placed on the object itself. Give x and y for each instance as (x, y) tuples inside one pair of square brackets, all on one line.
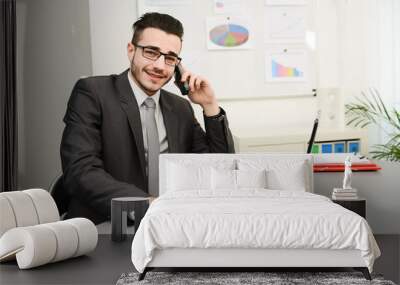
[(292, 140), (102, 266)]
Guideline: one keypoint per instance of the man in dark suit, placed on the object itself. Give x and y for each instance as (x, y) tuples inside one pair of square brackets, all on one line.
[(109, 140)]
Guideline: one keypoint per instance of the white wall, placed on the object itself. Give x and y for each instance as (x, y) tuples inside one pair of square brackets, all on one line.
[(353, 54), (369, 49), (59, 41), (348, 54), (347, 39), (111, 21), (110, 31)]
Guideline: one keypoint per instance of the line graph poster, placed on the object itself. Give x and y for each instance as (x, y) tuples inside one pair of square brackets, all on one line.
[(286, 66), (285, 24), (228, 33)]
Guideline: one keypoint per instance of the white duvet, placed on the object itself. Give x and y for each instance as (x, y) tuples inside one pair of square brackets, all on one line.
[(251, 218)]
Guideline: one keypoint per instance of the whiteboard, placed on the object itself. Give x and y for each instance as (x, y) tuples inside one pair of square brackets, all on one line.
[(248, 71)]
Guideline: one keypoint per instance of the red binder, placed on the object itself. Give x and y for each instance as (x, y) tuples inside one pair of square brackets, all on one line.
[(339, 167)]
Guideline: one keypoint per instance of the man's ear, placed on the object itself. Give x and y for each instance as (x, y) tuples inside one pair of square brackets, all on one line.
[(130, 51)]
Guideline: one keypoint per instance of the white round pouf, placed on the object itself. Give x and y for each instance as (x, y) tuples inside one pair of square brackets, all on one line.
[(33, 246), (23, 208), (31, 232), (40, 244), (46, 208), (7, 218), (87, 234), (67, 239)]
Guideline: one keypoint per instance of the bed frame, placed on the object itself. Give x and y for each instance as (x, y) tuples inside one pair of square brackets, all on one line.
[(244, 259), (241, 259)]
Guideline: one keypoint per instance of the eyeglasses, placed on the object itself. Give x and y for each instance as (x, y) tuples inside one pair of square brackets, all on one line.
[(153, 54)]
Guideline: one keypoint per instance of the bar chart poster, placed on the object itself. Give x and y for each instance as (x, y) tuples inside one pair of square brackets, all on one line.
[(286, 66), (228, 33)]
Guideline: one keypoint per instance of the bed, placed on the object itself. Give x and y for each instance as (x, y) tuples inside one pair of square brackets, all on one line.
[(247, 210)]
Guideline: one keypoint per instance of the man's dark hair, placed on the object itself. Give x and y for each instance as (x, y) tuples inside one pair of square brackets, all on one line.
[(164, 22)]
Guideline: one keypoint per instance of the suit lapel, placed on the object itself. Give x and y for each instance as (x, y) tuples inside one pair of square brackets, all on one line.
[(170, 121), (130, 106)]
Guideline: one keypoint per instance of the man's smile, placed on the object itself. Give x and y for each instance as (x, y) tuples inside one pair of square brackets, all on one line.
[(154, 75)]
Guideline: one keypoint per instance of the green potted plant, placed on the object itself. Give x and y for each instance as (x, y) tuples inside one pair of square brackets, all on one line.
[(370, 109)]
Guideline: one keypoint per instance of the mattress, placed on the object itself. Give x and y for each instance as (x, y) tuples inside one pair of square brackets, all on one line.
[(251, 219)]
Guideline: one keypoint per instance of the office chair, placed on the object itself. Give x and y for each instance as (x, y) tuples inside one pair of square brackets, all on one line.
[(60, 195)]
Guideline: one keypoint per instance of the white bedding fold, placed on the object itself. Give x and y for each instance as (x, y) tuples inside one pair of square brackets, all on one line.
[(251, 218)]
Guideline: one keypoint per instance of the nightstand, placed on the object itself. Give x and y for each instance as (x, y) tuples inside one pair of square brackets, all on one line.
[(358, 206)]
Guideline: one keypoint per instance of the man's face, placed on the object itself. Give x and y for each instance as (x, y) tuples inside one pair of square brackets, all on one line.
[(152, 75)]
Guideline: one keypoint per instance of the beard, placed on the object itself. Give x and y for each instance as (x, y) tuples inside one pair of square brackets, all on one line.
[(147, 90)]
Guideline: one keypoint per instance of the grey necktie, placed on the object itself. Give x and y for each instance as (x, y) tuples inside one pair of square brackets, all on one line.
[(153, 146)]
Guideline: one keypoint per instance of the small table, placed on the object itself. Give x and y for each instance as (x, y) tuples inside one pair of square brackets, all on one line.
[(358, 206), (120, 208)]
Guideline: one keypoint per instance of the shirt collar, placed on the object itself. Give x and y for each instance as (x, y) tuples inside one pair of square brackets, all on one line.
[(140, 95)]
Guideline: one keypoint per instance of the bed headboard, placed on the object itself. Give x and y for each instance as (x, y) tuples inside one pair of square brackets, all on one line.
[(215, 158)]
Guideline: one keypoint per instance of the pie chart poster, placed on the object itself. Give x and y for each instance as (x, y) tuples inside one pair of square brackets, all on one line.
[(224, 33)]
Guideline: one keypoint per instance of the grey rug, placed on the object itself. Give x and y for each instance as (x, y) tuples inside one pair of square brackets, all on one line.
[(230, 278)]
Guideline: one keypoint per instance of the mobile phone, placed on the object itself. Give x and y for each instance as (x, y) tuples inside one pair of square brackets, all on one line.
[(183, 86)]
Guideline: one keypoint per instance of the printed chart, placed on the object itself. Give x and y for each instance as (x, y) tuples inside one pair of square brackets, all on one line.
[(285, 24), (280, 70), (284, 65), (227, 33), (230, 7)]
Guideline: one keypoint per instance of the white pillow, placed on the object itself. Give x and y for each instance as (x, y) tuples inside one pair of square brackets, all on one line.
[(223, 179), (251, 178), (193, 171), (201, 160), (227, 179), (294, 180), (282, 174), (188, 177)]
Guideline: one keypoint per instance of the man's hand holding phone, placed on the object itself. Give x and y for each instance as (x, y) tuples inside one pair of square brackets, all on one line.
[(200, 91)]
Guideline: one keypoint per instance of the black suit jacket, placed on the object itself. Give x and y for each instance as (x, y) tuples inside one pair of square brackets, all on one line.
[(102, 150)]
